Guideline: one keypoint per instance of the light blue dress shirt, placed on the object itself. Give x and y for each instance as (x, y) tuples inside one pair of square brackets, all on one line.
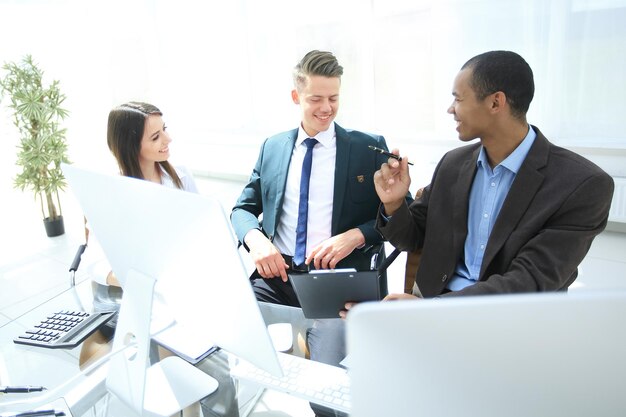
[(489, 190)]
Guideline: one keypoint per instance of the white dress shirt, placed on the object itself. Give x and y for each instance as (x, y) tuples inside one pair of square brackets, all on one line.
[(321, 193)]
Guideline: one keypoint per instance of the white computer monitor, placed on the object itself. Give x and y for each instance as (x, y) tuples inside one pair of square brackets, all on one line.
[(539, 355), (185, 243)]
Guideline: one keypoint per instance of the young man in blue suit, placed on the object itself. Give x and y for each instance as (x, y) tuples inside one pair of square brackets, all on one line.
[(342, 201), (512, 213)]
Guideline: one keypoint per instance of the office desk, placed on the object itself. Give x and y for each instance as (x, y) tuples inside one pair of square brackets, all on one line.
[(26, 365), (37, 366)]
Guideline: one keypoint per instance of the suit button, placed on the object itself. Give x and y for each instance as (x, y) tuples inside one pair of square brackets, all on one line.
[(444, 278)]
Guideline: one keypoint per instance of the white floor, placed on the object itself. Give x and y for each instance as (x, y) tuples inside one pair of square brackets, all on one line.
[(33, 267)]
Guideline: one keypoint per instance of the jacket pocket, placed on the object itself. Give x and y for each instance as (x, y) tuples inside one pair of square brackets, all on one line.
[(362, 188)]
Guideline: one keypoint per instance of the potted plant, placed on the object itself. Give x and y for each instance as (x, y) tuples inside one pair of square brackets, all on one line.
[(42, 147)]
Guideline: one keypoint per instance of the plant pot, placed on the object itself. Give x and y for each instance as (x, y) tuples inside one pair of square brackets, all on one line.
[(54, 227)]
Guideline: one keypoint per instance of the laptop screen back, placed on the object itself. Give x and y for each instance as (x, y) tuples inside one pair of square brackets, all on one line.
[(490, 356)]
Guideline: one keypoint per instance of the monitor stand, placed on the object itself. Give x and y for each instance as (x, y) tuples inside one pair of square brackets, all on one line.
[(164, 388)]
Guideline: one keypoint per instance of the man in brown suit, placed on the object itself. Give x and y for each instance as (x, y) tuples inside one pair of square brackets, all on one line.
[(511, 213)]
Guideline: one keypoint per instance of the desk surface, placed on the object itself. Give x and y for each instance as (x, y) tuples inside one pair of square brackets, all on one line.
[(27, 365)]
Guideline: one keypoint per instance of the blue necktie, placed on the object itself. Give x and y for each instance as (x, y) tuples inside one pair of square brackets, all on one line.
[(303, 205)]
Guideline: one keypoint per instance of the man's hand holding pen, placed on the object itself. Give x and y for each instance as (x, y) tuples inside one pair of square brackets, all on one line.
[(389, 154), (392, 182)]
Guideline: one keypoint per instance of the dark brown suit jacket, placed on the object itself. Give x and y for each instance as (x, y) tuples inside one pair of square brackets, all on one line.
[(557, 204)]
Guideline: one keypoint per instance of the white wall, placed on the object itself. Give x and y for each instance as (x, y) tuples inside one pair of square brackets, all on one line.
[(221, 70)]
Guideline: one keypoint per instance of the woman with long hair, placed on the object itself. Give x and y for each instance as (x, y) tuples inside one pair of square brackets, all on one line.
[(138, 139)]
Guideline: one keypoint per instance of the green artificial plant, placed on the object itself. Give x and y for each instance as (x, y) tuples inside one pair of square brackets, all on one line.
[(42, 146)]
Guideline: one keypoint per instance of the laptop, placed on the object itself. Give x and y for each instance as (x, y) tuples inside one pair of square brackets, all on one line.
[(540, 355)]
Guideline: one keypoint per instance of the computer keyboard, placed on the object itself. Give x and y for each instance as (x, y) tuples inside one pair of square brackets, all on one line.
[(313, 381), (64, 329)]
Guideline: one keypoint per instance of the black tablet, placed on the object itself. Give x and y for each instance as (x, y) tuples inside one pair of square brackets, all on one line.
[(323, 293)]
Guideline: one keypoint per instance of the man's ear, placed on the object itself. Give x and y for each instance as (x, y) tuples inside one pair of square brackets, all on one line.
[(498, 101), (295, 97)]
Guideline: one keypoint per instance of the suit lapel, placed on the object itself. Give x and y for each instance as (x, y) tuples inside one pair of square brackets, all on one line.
[(341, 174), (523, 190), (285, 148)]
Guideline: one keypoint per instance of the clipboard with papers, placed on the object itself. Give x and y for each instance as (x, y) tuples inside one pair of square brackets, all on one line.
[(323, 293)]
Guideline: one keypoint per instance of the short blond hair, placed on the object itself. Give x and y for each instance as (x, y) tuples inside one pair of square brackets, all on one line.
[(316, 63)]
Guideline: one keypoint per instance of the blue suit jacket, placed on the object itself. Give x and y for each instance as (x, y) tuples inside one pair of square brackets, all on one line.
[(355, 200)]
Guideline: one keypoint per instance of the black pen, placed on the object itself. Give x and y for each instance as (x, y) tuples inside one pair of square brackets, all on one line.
[(384, 152), (21, 389), (40, 413)]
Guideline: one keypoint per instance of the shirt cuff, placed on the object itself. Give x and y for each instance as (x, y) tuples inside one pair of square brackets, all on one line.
[(384, 215)]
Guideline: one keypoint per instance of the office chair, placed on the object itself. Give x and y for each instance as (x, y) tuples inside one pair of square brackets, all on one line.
[(413, 260), (412, 265)]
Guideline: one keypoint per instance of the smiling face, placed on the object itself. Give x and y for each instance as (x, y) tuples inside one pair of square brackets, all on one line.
[(319, 102), (472, 115), (155, 141)]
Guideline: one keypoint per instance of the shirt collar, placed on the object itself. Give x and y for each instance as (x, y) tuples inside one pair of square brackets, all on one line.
[(325, 137), (514, 161)]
